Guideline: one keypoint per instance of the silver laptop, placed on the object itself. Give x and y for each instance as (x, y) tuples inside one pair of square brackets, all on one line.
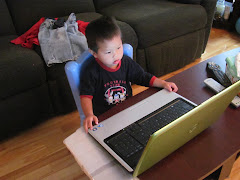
[(143, 134)]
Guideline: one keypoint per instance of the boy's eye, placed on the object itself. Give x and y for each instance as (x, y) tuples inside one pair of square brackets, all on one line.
[(108, 52), (119, 47)]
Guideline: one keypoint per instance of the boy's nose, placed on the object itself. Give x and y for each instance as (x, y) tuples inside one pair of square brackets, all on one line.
[(115, 54)]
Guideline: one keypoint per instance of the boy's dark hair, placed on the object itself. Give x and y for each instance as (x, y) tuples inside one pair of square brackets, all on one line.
[(100, 29)]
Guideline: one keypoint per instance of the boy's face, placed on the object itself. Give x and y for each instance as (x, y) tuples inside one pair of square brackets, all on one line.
[(110, 52)]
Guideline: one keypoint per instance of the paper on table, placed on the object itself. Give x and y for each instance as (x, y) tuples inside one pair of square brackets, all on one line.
[(237, 64), (94, 159)]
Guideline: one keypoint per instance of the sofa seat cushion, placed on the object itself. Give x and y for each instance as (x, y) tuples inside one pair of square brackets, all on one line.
[(156, 21), (20, 68)]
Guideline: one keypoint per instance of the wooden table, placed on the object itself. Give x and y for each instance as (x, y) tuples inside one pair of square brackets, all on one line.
[(216, 147)]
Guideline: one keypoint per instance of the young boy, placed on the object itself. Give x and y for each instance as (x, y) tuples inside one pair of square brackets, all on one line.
[(106, 80)]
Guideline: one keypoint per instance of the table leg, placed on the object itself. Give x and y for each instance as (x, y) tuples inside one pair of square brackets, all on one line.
[(227, 166)]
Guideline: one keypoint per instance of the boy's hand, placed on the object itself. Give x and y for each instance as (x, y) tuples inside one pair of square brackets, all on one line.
[(170, 86), (88, 122)]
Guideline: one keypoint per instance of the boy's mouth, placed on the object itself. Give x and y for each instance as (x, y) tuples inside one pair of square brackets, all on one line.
[(116, 61)]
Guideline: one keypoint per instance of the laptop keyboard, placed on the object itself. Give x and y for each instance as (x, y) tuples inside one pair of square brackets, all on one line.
[(129, 142)]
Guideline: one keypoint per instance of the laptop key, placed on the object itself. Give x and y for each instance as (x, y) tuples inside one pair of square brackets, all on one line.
[(124, 144)]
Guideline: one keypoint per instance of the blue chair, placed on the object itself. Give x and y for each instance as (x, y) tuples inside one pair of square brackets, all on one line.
[(73, 72)]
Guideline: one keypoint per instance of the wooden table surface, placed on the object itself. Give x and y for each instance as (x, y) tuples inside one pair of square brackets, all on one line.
[(216, 146)]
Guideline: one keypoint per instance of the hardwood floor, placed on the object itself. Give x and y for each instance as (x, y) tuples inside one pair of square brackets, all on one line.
[(39, 153)]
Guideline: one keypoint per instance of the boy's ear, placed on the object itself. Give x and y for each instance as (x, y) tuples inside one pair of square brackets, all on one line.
[(93, 53)]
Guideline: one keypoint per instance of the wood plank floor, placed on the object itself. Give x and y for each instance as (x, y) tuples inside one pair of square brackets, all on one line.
[(39, 153)]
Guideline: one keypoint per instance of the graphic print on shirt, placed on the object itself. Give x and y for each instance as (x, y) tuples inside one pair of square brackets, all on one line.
[(115, 94)]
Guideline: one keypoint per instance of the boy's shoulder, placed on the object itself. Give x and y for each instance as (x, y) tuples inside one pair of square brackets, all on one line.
[(126, 58), (90, 67), (128, 62), (91, 64)]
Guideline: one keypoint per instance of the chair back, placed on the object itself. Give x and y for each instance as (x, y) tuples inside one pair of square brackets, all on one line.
[(73, 71)]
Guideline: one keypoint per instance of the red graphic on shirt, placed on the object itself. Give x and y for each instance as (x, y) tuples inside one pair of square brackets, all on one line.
[(114, 83), (115, 94)]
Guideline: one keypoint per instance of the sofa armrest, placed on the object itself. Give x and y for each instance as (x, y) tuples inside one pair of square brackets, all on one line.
[(209, 6)]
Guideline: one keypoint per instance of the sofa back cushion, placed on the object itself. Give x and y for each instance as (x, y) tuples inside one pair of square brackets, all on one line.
[(99, 4), (156, 21), (6, 27), (26, 13), (188, 1)]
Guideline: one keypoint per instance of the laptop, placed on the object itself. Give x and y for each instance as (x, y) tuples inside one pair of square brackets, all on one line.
[(123, 135)]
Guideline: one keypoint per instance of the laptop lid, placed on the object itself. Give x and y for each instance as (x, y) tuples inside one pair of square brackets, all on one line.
[(174, 135)]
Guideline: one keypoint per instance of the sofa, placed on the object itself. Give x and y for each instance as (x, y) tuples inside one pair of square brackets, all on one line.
[(165, 35)]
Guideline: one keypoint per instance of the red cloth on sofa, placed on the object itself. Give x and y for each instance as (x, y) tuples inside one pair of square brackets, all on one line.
[(82, 26), (31, 36)]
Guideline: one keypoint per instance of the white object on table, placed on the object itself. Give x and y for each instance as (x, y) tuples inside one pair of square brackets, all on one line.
[(93, 159)]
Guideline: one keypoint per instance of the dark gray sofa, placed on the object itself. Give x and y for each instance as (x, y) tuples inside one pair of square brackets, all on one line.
[(166, 35)]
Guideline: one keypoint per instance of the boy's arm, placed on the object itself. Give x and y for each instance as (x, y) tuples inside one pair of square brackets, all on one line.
[(170, 86), (87, 108), (138, 76)]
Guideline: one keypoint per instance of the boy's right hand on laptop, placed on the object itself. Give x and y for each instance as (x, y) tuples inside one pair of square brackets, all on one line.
[(88, 122)]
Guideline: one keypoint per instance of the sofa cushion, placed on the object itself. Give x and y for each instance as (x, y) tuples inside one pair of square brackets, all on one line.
[(188, 1), (156, 21), (7, 27), (26, 13), (99, 4), (20, 68)]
